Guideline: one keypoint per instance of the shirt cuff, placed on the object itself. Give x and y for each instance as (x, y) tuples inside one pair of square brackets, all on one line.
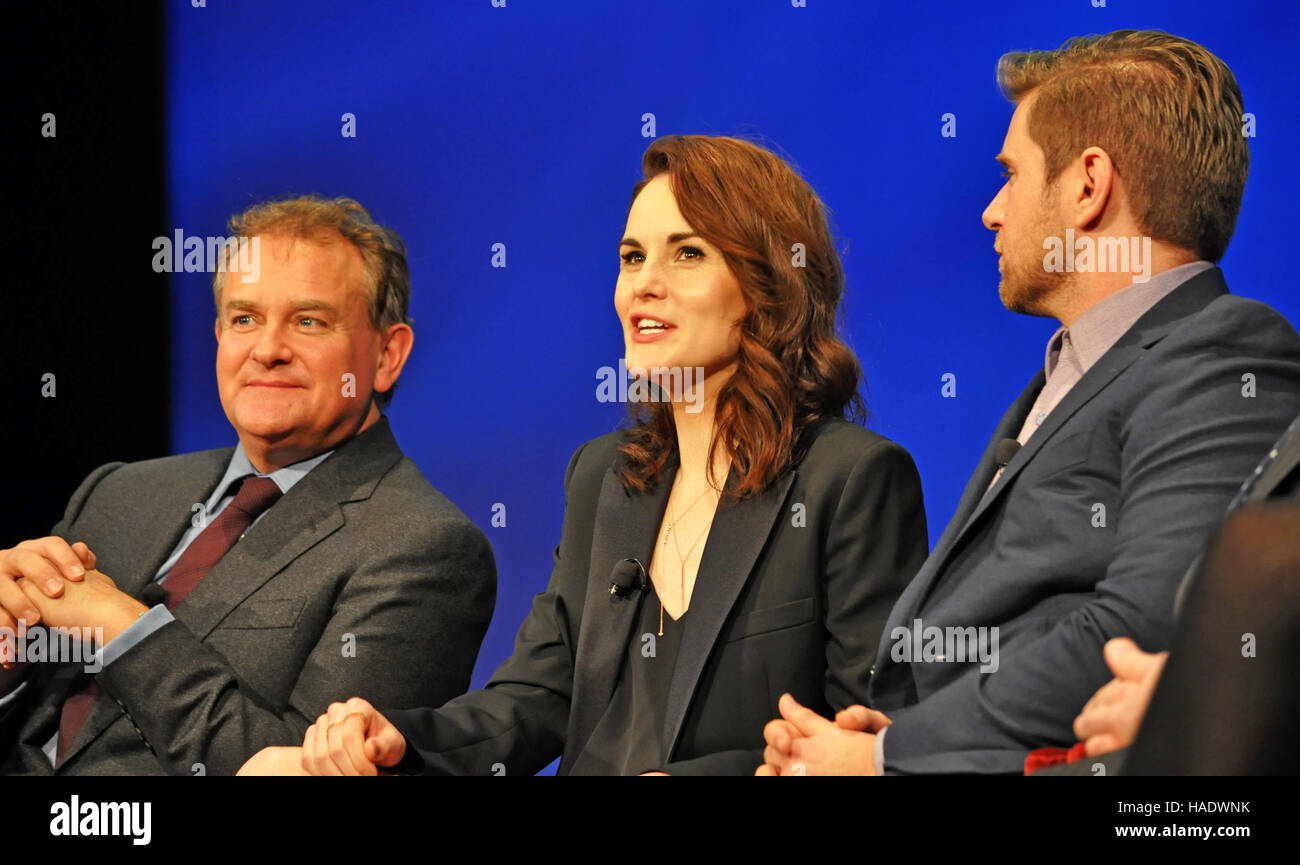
[(880, 751), (155, 618)]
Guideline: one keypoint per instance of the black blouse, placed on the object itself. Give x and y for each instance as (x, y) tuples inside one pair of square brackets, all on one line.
[(628, 738)]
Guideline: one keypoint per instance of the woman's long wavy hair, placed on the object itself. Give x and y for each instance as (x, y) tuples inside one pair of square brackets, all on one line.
[(792, 368)]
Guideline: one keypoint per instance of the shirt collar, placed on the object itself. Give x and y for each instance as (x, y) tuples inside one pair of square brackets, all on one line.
[(1102, 324), (284, 478)]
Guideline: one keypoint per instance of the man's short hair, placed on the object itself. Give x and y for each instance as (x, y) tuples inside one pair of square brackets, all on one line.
[(311, 217), (1166, 111)]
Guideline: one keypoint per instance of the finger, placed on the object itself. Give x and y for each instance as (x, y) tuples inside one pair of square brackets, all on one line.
[(1102, 744), (26, 561), (807, 721), (34, 595), (37, 598), (88, 558), (765, 770), (862, 719), (853, 718), (385, 745), (324, 764), (308, 756), (358, 745), (1126, 660), (359, 753), (1091, 722), (1118, 720), (17, 606), (778, 733), (60, 553), (315, 751), (345, 746), (337, 712), (1110, 693)]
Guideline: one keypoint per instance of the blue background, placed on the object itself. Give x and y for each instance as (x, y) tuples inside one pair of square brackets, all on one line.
[(522, 125)]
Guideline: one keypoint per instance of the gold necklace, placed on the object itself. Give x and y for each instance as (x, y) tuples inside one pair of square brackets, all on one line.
[(681, 560), (673, 521)]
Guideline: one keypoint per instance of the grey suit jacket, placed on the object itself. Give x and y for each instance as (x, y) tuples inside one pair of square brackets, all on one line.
[(361, 580), (1088, 531)]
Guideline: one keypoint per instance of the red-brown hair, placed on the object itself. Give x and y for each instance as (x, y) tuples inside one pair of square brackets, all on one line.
[(792, 369)]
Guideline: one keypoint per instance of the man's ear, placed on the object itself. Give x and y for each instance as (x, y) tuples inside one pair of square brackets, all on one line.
[(393, 352), (1088, 188), (216, 323)]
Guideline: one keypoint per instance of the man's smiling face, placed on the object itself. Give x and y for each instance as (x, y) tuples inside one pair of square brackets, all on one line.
[(285, 344)]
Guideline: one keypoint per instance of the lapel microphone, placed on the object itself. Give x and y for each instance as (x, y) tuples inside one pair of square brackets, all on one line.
[(627, 575), (1007, 449)]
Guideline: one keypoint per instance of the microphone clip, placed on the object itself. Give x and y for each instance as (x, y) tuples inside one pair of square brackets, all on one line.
[(627, 576)]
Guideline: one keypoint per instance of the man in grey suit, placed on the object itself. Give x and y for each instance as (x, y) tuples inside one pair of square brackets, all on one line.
[(311, 560), (1105, 478)]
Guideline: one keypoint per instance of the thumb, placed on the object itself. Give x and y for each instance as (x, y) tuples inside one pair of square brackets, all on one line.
[(861, 719), (1125, 659), (385, 746), (807, 721), (87, 557)]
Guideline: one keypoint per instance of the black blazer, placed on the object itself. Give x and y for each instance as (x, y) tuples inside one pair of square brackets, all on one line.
[(793, 591)]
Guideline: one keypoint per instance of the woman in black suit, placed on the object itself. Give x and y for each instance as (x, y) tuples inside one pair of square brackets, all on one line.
[(739, 540)]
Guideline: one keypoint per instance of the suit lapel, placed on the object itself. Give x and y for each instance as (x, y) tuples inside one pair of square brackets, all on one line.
[(302, 518), (1085, 389), (173, 509), (739, 532), (1153, 326), (625, 527)]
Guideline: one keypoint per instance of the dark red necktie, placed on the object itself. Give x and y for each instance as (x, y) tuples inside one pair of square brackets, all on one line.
[(253, 496)]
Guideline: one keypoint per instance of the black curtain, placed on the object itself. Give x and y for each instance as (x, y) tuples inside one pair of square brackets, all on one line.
[(80, 300)]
